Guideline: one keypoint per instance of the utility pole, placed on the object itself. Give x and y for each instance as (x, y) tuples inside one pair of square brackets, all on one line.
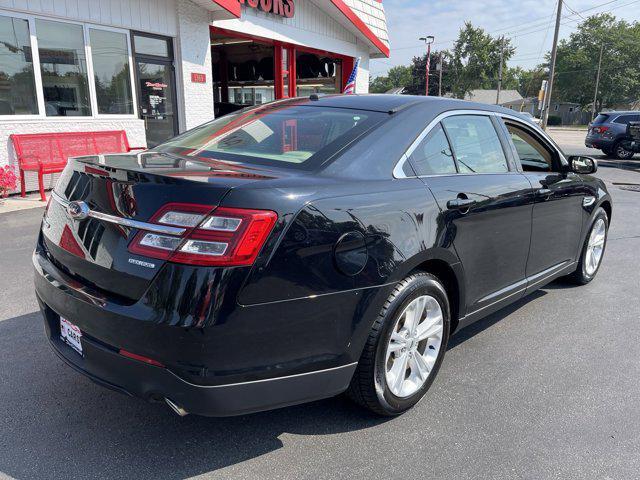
[(595, 95), (428, 40), (552, 70), (440, 76), (500, 70)]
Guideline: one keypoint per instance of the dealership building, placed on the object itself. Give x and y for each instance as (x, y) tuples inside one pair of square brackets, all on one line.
[(154, 68)]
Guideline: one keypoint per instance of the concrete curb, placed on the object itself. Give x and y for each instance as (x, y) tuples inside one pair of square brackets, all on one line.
[(16, 203)]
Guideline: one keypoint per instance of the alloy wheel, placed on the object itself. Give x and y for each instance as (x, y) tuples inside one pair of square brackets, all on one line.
[(623, 153), (414, 346), (595, 246)]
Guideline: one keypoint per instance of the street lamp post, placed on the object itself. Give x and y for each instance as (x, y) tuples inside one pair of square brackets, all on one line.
[(428, 40)]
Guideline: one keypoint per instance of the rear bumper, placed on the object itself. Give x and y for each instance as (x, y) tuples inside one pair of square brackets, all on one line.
[(599, 142), (106, 367), (264, 385)]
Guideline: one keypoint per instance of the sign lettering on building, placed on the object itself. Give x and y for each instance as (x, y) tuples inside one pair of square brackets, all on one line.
[(198, 77), (283, 8)]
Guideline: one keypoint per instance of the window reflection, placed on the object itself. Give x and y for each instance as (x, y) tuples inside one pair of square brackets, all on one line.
[(17, 85), (64, 69), (110, 57), (145, 45)]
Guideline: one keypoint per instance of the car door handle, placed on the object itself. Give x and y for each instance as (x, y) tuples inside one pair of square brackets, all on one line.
[(460, 204), (544, 192)]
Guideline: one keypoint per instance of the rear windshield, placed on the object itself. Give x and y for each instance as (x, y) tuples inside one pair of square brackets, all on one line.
[(602, 118), (289, 136)]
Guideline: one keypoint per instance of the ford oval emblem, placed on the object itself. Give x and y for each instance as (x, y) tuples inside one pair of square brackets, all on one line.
[(78, 210)]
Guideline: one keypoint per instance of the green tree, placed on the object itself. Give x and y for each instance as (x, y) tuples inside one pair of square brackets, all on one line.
[(530, 81), (475, 60), (577, 62), (399, 76), (419, 74)]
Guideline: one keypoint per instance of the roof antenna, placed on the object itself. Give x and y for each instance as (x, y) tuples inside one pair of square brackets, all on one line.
[(314, 97)]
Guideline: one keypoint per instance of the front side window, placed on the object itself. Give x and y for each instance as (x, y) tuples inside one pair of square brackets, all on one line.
[(17, 83), (289, 136), (111, 69), (534, 156), (433, 155), (64, 69), (476, 144)]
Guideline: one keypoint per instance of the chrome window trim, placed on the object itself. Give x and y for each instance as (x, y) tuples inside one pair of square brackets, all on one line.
[(125, 222), (537, 130), (398, 171)]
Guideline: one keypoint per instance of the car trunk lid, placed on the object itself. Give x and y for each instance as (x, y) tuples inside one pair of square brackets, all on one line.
[(122, 193)]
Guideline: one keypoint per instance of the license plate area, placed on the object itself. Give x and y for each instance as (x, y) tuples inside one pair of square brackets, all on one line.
[(71, 335)]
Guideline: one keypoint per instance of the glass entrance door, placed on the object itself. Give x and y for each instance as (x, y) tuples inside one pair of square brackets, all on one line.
[(156, 87), (157, 105)]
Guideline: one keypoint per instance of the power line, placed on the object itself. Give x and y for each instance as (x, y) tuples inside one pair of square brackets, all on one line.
[(573, 10), (538, 23)]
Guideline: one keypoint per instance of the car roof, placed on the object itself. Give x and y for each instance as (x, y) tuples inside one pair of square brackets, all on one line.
[(393, 103), (621, 112)]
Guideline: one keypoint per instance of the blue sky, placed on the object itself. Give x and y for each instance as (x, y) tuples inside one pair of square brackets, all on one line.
[(529, 23)]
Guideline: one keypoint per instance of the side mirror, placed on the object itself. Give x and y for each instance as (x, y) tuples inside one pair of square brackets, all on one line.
[(585, 165)]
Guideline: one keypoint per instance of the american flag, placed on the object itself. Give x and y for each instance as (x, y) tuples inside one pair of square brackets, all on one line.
[(350, 88)]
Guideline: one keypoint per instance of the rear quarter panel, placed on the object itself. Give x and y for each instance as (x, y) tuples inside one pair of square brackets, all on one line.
[(302, 284), (398, 220)]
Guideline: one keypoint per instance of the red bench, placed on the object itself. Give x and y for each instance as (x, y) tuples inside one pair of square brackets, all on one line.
[(48, 152)]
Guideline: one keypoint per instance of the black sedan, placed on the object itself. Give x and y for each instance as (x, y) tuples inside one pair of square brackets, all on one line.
[(308, 247)]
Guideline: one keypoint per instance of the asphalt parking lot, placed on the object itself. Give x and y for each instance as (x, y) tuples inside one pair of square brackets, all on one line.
[(548, 388)]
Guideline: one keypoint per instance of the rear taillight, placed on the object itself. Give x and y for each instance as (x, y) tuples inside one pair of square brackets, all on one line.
[(599, 130), (225, 237)]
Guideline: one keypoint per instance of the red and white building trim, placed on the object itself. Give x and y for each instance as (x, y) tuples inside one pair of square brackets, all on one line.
[(339, 29)]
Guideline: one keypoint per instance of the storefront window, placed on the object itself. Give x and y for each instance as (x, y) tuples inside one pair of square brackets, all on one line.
[(110, 57), (157, 47), (317, 74), (243, 73), (17, 85), (64, 69)]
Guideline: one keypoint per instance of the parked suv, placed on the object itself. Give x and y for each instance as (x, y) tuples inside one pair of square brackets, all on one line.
[(608, 132)]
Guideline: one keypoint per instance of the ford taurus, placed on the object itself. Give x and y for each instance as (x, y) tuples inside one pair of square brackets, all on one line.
[(308, 247)]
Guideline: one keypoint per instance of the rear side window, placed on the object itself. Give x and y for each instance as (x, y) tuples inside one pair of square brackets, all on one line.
[(288, 136), (602, 118), (476, 144), (433, 155), (626, 119)]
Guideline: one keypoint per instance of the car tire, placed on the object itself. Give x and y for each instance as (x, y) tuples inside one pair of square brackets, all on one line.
[(621, 153), (607, 152), (370, 386), (587, 270)]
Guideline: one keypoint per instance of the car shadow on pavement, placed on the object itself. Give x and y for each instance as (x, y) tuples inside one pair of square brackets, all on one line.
[(58, 424)]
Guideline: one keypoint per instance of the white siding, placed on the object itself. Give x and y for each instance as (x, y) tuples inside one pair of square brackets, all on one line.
[(155, 16), (310, 26), (362, 80)]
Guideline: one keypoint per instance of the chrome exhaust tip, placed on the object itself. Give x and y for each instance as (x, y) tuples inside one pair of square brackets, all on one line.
[(179, 410)]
